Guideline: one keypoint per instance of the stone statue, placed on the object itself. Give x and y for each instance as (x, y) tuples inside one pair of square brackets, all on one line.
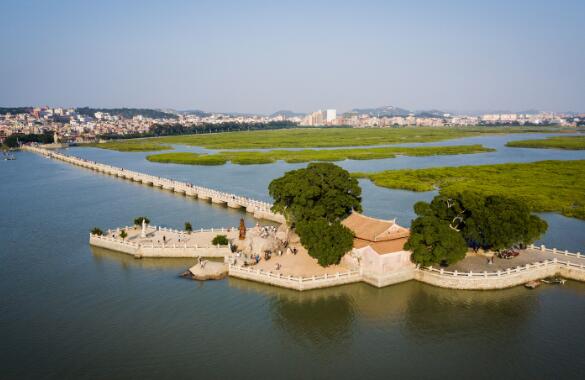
[(143, 232), (242, 229)]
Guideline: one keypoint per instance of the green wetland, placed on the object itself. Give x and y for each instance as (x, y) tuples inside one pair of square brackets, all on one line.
[(297, 156), (131, 145), (316, 137), (556, 142), (557, 186)]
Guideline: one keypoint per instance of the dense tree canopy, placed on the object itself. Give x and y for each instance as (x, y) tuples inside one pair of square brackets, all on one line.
[(448, 226), (138, 220), (325, 241), (321, 190), (41, 138), (432, 241), (496, 222), (176, 129), (315, 200)]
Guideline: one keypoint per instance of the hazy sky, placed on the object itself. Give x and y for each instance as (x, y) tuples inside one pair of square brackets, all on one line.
[(262, 56)]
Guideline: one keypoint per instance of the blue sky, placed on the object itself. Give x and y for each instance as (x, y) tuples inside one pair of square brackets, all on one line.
[(262, 56)]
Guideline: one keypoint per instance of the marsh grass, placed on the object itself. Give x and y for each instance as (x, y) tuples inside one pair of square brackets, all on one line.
[(556, 186), (335, 137), (297, 156), (315, 137), (133, 145), (558, 142)]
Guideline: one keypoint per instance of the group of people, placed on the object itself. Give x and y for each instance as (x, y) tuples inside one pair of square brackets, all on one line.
[(267, 230)]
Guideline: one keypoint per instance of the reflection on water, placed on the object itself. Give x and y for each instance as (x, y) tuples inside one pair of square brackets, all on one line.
[(325, 319), (440, 313)]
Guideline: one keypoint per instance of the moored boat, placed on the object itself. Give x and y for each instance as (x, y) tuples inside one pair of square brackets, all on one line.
[(554, 280)]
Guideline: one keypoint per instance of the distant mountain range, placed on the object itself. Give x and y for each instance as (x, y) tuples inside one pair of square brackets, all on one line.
[(430, 113), (194, 112), (382, 111), (287, 113), (390, 111)]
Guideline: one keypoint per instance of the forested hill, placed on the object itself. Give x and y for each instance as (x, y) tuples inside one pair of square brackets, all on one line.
[(127, 112)]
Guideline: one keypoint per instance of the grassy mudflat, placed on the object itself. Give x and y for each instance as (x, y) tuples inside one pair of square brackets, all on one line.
[(132, 145), (335, 137), (291, 156), (557, 186), (317, 137), (559, 142)]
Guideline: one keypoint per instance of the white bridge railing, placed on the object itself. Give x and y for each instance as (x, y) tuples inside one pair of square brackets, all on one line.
[(178, 186), (107, 236), (579, 263)]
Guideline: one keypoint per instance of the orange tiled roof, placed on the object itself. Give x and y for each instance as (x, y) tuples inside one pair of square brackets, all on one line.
[(372, 229), (382, 247)]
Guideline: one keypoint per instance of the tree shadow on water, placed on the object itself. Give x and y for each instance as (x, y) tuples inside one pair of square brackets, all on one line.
[(443, 313), (325, 318)]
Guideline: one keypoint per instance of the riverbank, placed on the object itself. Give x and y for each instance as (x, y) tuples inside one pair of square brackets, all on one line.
[(131, 145)]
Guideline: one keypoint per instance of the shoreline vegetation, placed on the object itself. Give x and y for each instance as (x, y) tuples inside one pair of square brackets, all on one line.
[(298, 156), (317, 137), (555, 142), (133, 145), (546, 186)]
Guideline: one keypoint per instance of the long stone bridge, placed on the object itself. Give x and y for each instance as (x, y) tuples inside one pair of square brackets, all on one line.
[(259, 209)]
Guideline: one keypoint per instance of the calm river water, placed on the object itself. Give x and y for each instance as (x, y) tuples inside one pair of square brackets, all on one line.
[(68, 310)]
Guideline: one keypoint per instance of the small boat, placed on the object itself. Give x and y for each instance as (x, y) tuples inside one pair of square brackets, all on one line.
[(532, 284), (8, 156), (555, 280)]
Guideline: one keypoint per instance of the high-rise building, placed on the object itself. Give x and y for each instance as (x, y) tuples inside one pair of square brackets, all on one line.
[(330, 115)]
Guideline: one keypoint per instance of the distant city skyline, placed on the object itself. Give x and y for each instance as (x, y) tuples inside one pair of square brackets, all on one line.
[(259, 57)]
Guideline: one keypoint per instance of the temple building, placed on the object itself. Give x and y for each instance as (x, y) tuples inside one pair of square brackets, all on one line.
[(378, 245)]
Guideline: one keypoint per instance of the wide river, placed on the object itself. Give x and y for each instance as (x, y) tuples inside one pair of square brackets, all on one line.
[(69, 311)]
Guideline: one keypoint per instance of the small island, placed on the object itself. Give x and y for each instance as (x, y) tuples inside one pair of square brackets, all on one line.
[(463, 241), (298, 156), (556, 142)]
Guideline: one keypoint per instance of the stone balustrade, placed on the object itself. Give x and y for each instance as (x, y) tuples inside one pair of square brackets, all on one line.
[(567, 264), (152, 249), (259, 209), (294, 282)]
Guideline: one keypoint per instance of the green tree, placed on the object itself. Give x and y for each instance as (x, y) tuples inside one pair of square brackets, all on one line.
[(321, 190), (496, 222), (314, 200), (447, 224), (325, 241), (97, 231), (123, 234), (188, 227), (432, 240), (138, 220), (220, 240)]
